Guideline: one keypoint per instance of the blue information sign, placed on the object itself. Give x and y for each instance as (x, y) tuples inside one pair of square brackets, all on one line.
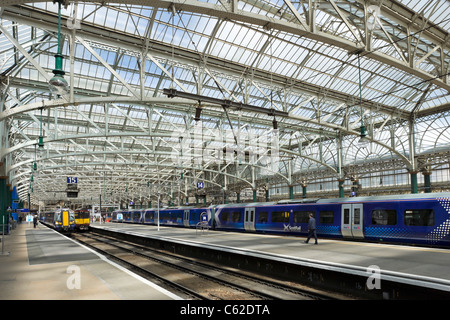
[(72, 180)]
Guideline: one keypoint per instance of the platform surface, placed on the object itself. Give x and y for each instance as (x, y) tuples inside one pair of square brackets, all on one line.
[(41, 264), (417, 261)]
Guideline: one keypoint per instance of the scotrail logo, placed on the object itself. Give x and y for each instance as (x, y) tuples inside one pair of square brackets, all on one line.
[(288, 227)]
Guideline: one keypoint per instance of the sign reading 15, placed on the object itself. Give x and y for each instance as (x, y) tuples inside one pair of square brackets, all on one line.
[(72, 180)]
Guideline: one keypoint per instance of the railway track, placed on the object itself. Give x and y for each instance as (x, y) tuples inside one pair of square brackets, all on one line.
[(190, 278)]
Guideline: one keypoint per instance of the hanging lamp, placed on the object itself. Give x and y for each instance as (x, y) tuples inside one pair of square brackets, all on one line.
[(41, 137), (58, 85), (35, 163), (363, 140)]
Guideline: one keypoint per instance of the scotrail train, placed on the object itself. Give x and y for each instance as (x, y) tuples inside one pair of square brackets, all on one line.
[(413, 219), (66, 220), (60, 220)]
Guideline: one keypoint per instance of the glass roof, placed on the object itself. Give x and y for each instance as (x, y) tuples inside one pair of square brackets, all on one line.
[(392, 64)]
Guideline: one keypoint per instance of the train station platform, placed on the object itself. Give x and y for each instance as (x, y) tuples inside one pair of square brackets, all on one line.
[(412, 265), (41, 264)]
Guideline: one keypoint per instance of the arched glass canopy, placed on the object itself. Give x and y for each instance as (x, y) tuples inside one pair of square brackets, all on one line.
[(239, 95)]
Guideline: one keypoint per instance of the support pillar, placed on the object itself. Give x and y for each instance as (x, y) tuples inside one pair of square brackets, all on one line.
[(9, 191), (341, 188), (3, 203), (238, 196), (15, 197), (303, 190), (414, 188), (9, 194), (291, 192), (199, 196), (427, 178), (355, 187), (254, 195)]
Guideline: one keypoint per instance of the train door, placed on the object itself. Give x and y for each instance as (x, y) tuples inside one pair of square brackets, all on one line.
[(352, 220), (186, 218), (249, 219)]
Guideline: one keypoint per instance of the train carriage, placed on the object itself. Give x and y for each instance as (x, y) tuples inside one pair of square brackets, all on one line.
[(60, 220), (411, 219), (171, 216), (136, 215), (148, 216), (230, 216), (194, 215), (82, 219), (127, 216)]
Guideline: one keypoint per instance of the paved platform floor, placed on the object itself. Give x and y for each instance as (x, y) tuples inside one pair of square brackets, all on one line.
[(41, 264)]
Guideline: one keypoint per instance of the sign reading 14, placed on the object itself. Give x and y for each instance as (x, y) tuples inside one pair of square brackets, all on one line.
[(72, 180)]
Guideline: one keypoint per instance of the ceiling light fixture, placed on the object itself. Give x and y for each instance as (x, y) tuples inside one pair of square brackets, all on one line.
[(58, 85)]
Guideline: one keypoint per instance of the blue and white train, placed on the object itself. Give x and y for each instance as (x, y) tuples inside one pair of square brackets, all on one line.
[(61, 219), (411, 219)]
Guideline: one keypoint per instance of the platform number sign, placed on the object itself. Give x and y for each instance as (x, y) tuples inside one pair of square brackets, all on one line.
[(72, 180), (200, 185)]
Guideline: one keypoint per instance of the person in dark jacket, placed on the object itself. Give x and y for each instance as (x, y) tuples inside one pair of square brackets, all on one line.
[(311, 228)]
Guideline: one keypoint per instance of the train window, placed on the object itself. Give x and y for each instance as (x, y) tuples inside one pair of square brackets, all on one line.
[(326, 217), (346, 216), (263, 217), (224, 216), (419, 217), (235, 216), (302, 216), (280, 216), (357, 216), (384, 217)]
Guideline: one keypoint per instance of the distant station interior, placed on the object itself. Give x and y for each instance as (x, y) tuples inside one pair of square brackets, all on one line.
[(121, 105)]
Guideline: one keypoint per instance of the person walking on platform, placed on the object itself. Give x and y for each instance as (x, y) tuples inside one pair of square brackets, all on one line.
[(35, 221), (311, 228)]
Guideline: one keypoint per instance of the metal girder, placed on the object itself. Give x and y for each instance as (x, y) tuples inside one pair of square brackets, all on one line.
[(25, 53), (131, 43), (298, 28)]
